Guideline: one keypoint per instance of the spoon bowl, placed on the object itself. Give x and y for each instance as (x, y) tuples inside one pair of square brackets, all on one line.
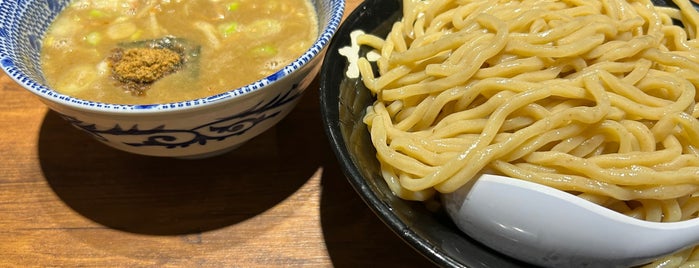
[(548, 227)]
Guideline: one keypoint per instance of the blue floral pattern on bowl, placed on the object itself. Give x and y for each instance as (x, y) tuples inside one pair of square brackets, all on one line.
[(218, 130)]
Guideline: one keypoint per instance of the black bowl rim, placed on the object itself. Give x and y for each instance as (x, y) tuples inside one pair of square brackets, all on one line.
[(330, 115)]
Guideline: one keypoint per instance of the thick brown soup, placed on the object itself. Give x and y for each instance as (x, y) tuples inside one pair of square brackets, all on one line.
[(158, 51)]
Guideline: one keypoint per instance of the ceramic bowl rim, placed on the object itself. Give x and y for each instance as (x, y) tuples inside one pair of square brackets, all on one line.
[(7, 36)]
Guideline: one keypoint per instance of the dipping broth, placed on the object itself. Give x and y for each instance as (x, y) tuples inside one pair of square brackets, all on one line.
[(160, 51)]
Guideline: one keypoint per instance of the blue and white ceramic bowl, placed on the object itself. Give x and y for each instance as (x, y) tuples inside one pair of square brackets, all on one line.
[(188, 129)]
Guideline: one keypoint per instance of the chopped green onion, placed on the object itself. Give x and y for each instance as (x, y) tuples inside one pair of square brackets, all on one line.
[(265, 51), (233, 6), (96, 14), (228, 29), (93, 38), (137, 35)]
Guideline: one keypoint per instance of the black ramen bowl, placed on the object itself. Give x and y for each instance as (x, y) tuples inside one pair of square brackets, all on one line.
[(343, 103)]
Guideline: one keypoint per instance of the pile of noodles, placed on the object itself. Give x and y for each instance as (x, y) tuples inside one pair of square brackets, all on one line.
[(594, 97)]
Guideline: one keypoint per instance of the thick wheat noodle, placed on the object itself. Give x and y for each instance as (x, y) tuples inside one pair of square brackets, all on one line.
[(597, 98)]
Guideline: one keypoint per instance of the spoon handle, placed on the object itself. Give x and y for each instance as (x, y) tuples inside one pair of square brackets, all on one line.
[(540, 224)]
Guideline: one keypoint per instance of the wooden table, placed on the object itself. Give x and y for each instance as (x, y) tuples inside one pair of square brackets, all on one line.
[(67, 200)]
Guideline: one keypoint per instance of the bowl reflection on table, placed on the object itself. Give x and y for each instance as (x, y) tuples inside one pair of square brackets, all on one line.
[(343, 103), (187, 129)]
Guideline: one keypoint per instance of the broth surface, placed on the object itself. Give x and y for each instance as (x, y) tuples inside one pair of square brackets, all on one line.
[(226, 44)]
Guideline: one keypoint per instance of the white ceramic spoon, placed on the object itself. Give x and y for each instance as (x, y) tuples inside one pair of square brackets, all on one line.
[(548, 227)]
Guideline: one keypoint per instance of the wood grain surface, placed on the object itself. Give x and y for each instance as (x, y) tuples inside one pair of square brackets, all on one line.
[(280, 200)]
